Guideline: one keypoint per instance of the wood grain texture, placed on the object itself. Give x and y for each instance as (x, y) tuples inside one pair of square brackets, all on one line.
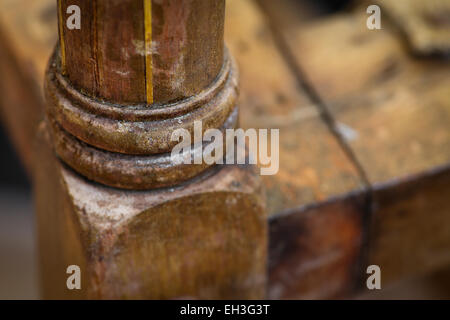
[(316, 253), (106, 57), (112, 57), (30, 31), (425, 23), (205, 239), (391, 108), (27, 36), (202, 237), (121, 65), (290, 11), (313, 167), (272, 98), (410, 234), (187, 46), (316, 228), (392, 111)]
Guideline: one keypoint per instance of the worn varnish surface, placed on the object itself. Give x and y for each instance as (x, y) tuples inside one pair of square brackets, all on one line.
[(305, 244), (390, 110), (189, 61), (126, 55), (425, 23), (397, 103), (101, 59), (410, 226), (184, 236)]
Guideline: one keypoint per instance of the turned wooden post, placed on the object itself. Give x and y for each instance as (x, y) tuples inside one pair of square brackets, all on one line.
[(116, 89)]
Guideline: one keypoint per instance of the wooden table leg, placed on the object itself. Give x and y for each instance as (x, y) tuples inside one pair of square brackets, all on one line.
[(115, 91)]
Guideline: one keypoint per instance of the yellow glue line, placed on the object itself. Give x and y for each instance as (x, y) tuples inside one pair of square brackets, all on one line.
[(148, 53), (61, 38)]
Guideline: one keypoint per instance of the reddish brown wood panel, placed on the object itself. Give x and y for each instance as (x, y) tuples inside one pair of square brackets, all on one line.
[(27, 35), (410, 233)]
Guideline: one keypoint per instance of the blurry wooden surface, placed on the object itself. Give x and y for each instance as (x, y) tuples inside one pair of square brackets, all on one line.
[(392, 110), (28, 33), (364, 145), (313, 168)]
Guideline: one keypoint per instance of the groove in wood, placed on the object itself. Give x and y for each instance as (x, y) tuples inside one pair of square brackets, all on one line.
[(148, 50)]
